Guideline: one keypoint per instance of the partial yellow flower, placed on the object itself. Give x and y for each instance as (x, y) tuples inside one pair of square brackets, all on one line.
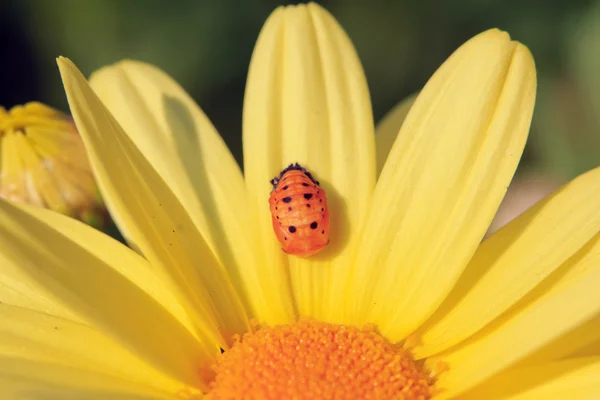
[(407, 301), (44, 163)]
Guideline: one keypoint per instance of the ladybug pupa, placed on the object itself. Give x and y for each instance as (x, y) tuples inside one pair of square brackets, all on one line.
[(299, 212)]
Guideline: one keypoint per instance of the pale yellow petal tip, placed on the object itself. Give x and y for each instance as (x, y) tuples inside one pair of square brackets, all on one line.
[(66, 67), (316, 7), (107, 69), (524, 56), (125, 64), (276, 15), (294, 8), (64, 62), (494, 39), (495, 33), (491, 37), (498, 36)]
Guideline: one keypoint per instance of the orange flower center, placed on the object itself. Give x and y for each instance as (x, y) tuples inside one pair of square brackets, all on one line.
[(315, 360)]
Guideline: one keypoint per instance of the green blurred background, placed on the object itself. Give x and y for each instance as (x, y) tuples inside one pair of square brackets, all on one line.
[(206, 46)]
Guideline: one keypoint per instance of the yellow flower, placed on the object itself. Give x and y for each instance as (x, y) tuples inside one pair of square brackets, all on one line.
[(406, 276), (43, 163)]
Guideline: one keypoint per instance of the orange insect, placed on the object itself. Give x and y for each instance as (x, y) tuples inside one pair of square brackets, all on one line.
[(299, 212)]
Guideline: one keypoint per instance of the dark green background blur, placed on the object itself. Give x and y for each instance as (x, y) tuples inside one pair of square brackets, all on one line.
[(206, 46)]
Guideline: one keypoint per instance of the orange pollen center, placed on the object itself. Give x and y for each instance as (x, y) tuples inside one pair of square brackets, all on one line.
[(316, 360)]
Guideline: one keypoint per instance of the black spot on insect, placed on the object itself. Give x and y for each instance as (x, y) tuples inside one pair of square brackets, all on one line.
[(307, 196), (284, 238), (323, 232), (222, 351), (277, 217), (322, 209), (289, 208), (292, 229), (313, 225), (307, 205), (320, 200), (285, 187), (278, 208), (287, 199), (304, 184)]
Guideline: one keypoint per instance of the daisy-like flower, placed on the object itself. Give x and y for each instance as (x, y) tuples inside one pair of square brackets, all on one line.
[(43, 163), (406, 302)]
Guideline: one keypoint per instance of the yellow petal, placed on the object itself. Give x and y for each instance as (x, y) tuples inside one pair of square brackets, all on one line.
[(108, 286), (262, 150), (513, 261), (68, 148), (13, 185), (387, 130), (150, 211), (443, 181), (19, 289), (40, 341), (582, 341), (40, 183), (567, 379), (588, 349), (180, 142), (24, 379), (307, 101), (35, 172), (565, 300), (61, 159)]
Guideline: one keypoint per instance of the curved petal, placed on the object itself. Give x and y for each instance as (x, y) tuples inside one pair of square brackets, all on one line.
[(513, 261), (25, 379), (19, 289), (443, 181), (13, 171), (588, 349), (37, 347), (307, 101), (261, 158), (151, 212), (42, 187), (568, 379), (387, 130), (565, 300), (180, 142), (583, 340), (109, 286)]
